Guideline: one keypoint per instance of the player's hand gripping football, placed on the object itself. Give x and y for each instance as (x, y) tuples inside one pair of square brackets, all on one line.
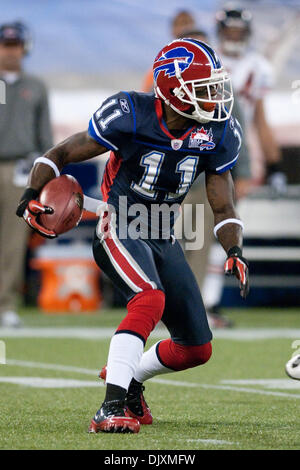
[(29, 208), (237, 265)]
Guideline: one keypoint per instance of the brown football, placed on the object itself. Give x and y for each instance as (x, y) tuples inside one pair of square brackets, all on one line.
[(65, 196)]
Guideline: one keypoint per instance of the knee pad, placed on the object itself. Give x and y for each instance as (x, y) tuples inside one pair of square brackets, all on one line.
[(144, 312), (179, 357)]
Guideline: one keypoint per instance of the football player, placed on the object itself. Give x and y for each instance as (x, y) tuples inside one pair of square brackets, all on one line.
[(160, 142), (252, 78)]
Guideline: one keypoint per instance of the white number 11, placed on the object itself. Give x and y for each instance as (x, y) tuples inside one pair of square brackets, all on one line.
[(153, 162)]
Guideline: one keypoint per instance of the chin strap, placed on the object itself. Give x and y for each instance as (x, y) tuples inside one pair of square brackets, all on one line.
[(206, 116)]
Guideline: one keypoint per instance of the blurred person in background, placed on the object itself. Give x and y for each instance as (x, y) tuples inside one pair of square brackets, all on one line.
[(183, 21), (252, 78), (25, 133)]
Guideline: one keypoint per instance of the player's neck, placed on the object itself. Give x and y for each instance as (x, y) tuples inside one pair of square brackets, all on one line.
[(174, 120)]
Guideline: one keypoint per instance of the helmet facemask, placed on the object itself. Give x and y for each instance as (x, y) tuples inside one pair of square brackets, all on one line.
[(222, 99)]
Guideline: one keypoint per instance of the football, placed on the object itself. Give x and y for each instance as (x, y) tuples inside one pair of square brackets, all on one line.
[(292, 367), (64, 195)]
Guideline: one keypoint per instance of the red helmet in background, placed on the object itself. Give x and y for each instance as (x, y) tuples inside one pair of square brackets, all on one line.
[(189, 77)]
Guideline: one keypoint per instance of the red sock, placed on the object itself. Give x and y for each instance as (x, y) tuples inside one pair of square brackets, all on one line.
[(179, 357), (144, 312)]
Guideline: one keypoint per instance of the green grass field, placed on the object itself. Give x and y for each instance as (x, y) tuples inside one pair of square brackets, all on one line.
[(47, 406)]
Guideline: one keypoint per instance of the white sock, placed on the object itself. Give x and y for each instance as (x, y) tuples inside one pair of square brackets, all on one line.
[(125, 353), (214, 280), (150, 366)]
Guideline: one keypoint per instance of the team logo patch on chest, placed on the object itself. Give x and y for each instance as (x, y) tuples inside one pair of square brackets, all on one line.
[(202, 139)]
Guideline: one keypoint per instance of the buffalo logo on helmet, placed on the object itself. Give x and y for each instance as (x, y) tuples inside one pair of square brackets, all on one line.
[(202, 139), (165, 63)]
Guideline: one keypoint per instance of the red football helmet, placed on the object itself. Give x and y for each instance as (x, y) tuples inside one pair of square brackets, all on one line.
[(189, 77)]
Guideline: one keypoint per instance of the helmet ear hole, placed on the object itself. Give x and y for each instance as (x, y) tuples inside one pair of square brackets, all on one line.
[(175, 91), (180, 94)]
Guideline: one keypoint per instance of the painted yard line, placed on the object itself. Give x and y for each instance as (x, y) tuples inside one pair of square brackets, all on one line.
[(226, 387), (253, 334), (42, 382), (252, 390), (56, 367), (174, 383), (211, 441), (237, 334), (57, 333), (278, 384)]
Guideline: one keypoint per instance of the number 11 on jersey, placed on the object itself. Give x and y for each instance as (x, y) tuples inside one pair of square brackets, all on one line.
[(152, 162)]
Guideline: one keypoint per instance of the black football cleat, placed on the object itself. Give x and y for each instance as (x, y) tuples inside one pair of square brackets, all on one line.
[(135, 403), (111, 417)]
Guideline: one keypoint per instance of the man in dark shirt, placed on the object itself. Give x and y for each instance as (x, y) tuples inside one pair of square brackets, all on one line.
[(24, 133)]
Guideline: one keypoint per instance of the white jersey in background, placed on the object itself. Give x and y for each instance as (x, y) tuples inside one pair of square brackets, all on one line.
[(252, 78)]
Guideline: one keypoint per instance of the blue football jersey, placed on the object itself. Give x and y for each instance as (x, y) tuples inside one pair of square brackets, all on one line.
[(148, 163)]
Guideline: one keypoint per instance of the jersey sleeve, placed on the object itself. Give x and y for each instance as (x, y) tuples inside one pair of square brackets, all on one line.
[(113, 123), (228, 148)]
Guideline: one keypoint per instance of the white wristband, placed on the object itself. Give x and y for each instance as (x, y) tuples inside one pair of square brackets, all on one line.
[(49, 162), (93, 205), (227, 221)]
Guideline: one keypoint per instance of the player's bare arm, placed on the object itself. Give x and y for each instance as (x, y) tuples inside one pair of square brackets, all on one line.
[(77, 148), (228, 227), (220, 194)]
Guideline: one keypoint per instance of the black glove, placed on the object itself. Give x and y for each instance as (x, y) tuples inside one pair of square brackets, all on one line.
[(237, 265)]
